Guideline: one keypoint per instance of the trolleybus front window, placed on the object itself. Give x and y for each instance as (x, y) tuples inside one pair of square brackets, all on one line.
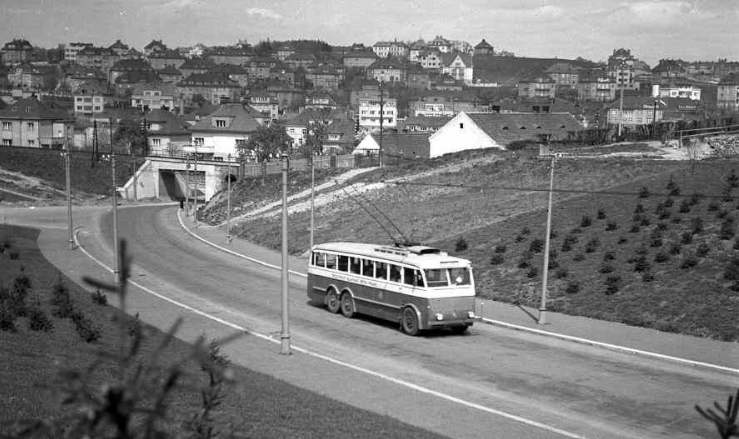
[(460, 276), (436, 277)]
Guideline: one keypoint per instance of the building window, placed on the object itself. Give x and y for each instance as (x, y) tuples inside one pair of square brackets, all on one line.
[(220, 123), (7, 142), (199, 141), (7, 126), (31, 143), (156, 142), (30, 126), (461, 125)]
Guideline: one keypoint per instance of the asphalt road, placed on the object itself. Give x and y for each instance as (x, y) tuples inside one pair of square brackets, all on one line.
[(490, 383)]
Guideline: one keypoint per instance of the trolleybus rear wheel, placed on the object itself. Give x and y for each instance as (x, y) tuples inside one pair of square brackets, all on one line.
[(333, 303), (409, 321), (347, 305)]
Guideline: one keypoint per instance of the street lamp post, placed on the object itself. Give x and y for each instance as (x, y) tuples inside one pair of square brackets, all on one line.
[(187, 186), (312, 196), (67, 159), (543, 306), (116, 262), (228, 204), (285, 335)]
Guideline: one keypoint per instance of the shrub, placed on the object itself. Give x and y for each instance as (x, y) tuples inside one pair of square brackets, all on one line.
[(38, 320), (732, 180), (645, 222), (675, 248), (14, 255), (497, 259), (85, 327), (695, 198), (647, 276), (661, 257), (553, 234), (644, 192), (642, 250), (656, 242), (536, 246), (61, 303), (523, 263), (731, 271), (601, 214), (7, 320), (641, 264), (686, 238), (568, 242), (727, 229), (533, 272), (525, 231), (713, 206), (98, 297), (613, 284), (638, 217), (609, 256), (606, 268), (578, 257), (736, 244), (721, 214), (702, 250), (611, 226), (134, 328), (552, 264), (519, 238), (696, 225), (576, 231), (592, 245), (664, 215), (585, 221), (685, 206), (672, 187), (573, 287), (662, 226), (669, 202), (634, 228), (500, 248), (689, 262), (659, 208), (561, 273), (13, 299), (676, 220), (734, 286), (639, 209), (622, 240), (461, 245)]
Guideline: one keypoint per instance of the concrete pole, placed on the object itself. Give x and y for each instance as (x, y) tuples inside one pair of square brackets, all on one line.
[(620, 107), (382, 116), (187, 187), (135, 179), (67, 159), (195, 196), (312, 196), (543, 306), (285, 335), (116, 261), (228, 204)]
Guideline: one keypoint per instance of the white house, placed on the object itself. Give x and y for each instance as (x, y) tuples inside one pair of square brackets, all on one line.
[(497, 130), (368, 146), (217, 135)]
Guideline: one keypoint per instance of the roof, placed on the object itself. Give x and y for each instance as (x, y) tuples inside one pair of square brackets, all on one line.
[(32, 109), (386, 63), (306, 117), (118, 45), (196, 64), (91, 87), (505, 128), (421, 256), (448, 58), (18, 44), (228, 69), (166, 54), (170, 70), (135, 76), (154, 43), (171, 124), (242, 120), (730, 79), (131, 64), (483, 45), (209, 78), (96, 51), (401, 143), (301, 57), (426, 121)]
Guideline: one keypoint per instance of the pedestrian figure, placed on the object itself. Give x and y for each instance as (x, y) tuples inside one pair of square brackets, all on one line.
[(182, 203)]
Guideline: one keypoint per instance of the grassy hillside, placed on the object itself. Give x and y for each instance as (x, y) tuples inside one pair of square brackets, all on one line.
[(36, 362), (658, 274)]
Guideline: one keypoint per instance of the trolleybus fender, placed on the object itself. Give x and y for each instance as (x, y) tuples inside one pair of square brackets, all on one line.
[(421, 323)]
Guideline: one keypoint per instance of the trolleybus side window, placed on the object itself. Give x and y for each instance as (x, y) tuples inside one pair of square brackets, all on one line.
[(355, 265), (319, 259), (368, 268), (381, 270), (412, 277), (394, 273), (343, 263), (331, 261)]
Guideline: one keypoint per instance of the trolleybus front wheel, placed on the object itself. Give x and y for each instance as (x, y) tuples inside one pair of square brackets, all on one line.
[(409, 321), (347, 305), (332, 302)]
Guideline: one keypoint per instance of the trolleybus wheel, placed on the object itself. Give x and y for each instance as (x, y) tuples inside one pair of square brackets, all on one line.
[(347, 305), (333, 303), (409, 321)]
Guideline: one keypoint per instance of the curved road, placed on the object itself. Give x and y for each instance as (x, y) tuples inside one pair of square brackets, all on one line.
[(491, 382)]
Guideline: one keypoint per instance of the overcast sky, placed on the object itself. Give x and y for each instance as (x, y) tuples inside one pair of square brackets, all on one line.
[(652, 29)]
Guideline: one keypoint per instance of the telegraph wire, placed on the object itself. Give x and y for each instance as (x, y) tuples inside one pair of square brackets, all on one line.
[(382, 226)]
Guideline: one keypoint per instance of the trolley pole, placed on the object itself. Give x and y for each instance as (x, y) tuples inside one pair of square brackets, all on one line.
[(285, 335), (543, 307), (228, 203), (116, 262), (67, 159)]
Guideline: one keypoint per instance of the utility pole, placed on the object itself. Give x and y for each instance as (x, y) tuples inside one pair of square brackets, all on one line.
[(197, 183), (543, 306), (654, 119), (285, 335), (116, 262), (187, 186), (312, 195), (382, 116), (135, 178), (228, 204), (67, 159), (620, 101)]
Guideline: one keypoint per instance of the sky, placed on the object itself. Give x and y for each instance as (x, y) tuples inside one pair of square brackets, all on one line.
[(652, 29)]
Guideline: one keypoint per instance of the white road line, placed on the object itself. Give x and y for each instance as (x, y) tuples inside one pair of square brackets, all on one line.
[(340, 362)]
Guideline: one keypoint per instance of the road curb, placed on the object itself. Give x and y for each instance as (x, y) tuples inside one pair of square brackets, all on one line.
[(607, 346)]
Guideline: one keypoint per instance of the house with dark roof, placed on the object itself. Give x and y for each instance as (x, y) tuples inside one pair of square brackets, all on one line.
[(359, 59), (596, 85), (537, 87), (396, 146), (484, 48), (422, 124), (150, 97), (192, 66), (167, 133), (320, 100), (166, 58), (16, 52), (124, 66), (120, 48), (239, 56), (458, 66), (497, 130), (214, 88), (154, 46), (301, 125), (125, 83), (31, 123), (170, 75), (418, 78), (265, 103), (387, 70), (636, 111), (218, 134), (564, 74), (91, 97), (100, 58), (304, 60), (234, 72), (340, 137), (33, 77), (395, 49), (436, 103)]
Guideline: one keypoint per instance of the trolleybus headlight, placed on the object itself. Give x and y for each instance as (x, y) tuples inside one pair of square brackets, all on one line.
[(471, 314), (439, 316)]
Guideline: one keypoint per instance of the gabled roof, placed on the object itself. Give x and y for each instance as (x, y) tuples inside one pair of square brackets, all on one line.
[(448, 58), (196, 64), (170, 70), (301, 57), (118, 45), (426, 121), (386, 63), (209, 78), (18, 44), (136, 76), (166, 54), (307, 117), (166, 89), (132, 65), (228, 69), (171, 124), (91, 87), (96, 51), (32, 109), (505, 128), (241, 120), (155, 43), (483, 45), (637, 102)]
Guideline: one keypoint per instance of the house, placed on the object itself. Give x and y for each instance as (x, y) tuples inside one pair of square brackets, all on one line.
[(16, 52), (430, 59), (458, 66), (222, 132), (668, 69), (537, 86), (265, 103), (167, 133), (563, 74), (422, 124), (170, 75), (360, 60), (682, 108), (678, 90), (239, 56), (340, 137), (288, 97), (320, 100), (234, 72), (621, 67), (396, 49), (148, 98), (728, 92), (372, 106), (387, 70), (418, 78), (195, 66), (75, 75), (72, 49), (281, 72), (498, 130), (445, 82), (154, 46), (100, 58), (441, 44), (596, 86), (33, 77), (121, 49), (395, 146), (259, 68), (324, 77), (300, 126), (484, 48), (636, 110), (32, 124), (91, 97), (304, 60), (441, 103), (284, 51), (214, 88), (125, 83), (166, 58), (138, 66)]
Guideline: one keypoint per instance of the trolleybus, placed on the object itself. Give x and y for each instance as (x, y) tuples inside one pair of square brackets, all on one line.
[(420, 287)]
